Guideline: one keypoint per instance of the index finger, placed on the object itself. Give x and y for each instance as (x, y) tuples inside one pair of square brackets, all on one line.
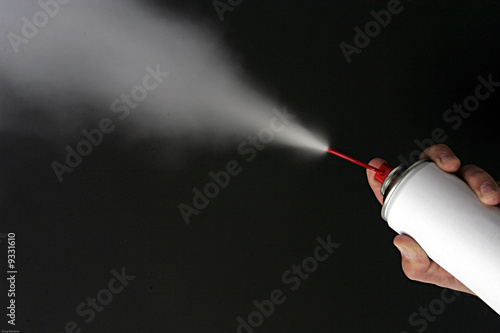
[(443, 156), (375, 184)]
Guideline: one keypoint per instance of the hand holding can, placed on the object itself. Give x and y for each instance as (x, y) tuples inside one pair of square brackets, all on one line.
[(427, 226)]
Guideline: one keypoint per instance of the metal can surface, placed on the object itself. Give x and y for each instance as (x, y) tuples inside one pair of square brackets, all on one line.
[(444, 215)]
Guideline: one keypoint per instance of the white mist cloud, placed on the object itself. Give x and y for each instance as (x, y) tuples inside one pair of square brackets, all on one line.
[(86, 54)]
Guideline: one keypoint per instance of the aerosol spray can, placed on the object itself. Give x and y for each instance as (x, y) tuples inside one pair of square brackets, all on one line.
[(444, 215), (446, 218)]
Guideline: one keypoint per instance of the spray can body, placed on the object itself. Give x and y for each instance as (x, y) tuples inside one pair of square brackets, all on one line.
[(446, 218)]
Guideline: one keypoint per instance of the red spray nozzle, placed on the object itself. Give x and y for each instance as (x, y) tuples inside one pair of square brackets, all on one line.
[(381, 172)]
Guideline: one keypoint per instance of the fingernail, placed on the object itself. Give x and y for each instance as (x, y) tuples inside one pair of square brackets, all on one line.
[(444, 157), (403, 252), (487, 188)]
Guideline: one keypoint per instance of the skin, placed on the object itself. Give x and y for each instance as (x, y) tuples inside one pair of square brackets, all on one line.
[(416, 264)]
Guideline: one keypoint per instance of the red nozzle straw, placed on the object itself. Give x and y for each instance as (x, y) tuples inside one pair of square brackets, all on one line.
[(350, 159), (381, 173)]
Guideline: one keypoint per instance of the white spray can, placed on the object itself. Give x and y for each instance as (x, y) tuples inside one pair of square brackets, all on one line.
[(446, 218)]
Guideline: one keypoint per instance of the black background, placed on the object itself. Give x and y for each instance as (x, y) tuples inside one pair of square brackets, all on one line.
[(119, 208)]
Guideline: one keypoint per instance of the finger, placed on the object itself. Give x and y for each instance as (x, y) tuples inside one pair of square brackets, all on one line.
[(443, 156), (485, 187), (418, 266), (375, 184)]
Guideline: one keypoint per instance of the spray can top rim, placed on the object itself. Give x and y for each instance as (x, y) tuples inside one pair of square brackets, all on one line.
[(391, 178), (392, 181), (396, 175)]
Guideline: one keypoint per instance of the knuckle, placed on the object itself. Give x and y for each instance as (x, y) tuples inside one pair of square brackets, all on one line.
[(409, 275), (433, 152), (412, 273), (470, 167), (439, 149), (412, 276), (440, 146), (471, 170)]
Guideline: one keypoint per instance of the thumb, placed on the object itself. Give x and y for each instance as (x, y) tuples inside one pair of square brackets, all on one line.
[(411, 252), (418, 266), (415, 262)]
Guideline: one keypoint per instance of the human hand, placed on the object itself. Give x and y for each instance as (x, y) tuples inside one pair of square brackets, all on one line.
[(416, 264)]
